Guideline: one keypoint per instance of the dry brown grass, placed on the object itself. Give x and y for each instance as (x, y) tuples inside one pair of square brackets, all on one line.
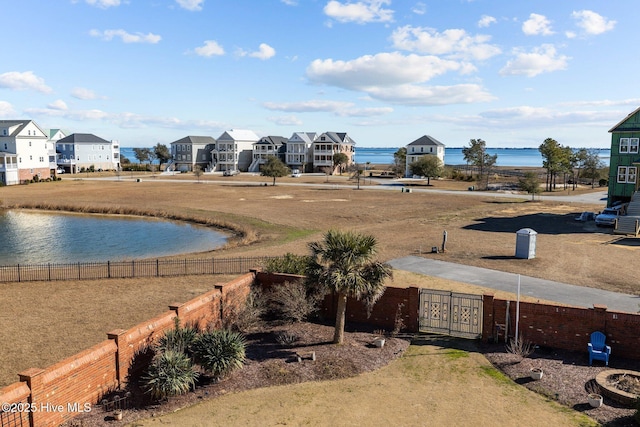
[(45, 322), (274, 220)]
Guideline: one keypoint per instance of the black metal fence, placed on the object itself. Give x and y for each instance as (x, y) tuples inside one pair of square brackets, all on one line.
[(128, 269)]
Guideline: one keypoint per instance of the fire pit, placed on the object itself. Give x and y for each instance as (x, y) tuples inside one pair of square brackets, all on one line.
[(621, 385)]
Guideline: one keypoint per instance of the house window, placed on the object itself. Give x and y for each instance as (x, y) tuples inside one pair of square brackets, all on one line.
[(627, 174), (29, 143), (624, 145), (633, 145)]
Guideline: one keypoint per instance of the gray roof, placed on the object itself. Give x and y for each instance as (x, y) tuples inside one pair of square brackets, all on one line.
[(272, 140), (23, 123), (338, 137), (204, 140), (307, 137), (76, 138), (427, 140)]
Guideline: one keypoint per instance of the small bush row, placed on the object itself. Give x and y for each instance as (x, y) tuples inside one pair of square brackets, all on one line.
[(182, 353)]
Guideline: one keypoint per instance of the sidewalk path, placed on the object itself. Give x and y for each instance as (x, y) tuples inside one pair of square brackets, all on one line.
[(530, 286)]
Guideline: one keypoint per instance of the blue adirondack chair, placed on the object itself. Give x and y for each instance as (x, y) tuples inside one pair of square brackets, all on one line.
[(597, 348)]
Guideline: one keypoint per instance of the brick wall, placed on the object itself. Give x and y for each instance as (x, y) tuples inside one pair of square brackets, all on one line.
[(88, 375), (562, 327), (60, 392)]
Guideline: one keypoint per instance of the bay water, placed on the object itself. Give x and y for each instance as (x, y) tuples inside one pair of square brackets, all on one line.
[(513, 157)]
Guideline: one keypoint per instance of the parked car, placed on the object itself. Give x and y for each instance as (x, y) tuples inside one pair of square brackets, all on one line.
[(60, 171), (296, 173), (609, 216), (230, 172), (586, 216)]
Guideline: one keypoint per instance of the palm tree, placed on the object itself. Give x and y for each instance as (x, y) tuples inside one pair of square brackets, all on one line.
[(343, 263)]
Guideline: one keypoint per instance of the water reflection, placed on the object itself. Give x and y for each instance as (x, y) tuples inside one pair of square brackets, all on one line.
[(28, 237)]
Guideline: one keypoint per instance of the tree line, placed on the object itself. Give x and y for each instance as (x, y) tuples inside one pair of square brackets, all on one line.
[(558, 160)]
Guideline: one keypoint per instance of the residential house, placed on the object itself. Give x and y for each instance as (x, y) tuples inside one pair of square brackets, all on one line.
[(233, 150), (54, 136), (24, 152), (329, 144), (190, 152), (85, 151), (267, 146), (423, 146), (625, 158), (299, 151)]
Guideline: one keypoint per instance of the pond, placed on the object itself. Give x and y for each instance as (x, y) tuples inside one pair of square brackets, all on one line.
[(29, 237)]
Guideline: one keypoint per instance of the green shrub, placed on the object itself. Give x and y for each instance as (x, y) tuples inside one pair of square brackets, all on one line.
[(179, 339), (288, 264), (170, 373), (219, 352)]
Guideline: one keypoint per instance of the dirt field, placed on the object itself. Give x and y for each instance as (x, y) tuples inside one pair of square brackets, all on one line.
[(279, 219)]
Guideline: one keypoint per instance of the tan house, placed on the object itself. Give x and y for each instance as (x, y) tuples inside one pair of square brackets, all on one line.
[(329, 144)]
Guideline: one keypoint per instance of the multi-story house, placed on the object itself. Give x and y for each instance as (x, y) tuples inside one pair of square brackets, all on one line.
[(190, 152), (82, 151), (329, 144), (299, 152), (233, 150), (423, 146), (54, 136), (625, 159), (267, 146), (24, 152)]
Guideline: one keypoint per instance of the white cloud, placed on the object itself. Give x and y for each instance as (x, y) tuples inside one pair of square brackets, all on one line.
[(419, 8), (361, 12), (286, 120), (192, 5), (58, 104), (290, 2), (486, 20), (536, 117), (543, 59), (432, 95), (365, 112), (592, 23), (265, 52), (6, 109), (125, 36), (103, 4), (383, 69), (452, 42), (210, 48), (537, 25), (23, 81), (83, 93), (312, 106)]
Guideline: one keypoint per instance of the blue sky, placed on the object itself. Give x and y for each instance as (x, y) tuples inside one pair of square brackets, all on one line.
[(385, 71)]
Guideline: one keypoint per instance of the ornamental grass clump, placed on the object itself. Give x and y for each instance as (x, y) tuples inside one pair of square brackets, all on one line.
[(171, 373), (219, 352), (179, 339)]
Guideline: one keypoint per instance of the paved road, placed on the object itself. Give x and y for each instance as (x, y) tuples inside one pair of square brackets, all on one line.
[(595, 198), (538, 288)]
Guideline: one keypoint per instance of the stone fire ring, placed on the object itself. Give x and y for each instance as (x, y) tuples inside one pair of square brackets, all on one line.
[(611, 391)]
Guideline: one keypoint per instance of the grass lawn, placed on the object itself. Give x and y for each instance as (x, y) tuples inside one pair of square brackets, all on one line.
[(438, 381)]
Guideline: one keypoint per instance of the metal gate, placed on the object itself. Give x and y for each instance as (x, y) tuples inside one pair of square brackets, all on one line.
[(451, 313)]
